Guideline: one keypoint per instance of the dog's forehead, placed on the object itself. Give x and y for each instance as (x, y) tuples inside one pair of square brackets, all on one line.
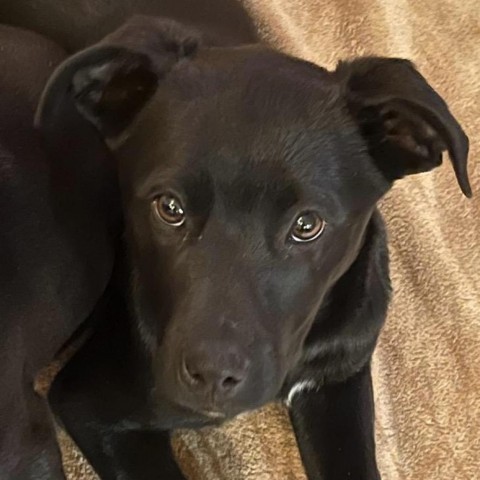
[(260, 121), (251, 76)]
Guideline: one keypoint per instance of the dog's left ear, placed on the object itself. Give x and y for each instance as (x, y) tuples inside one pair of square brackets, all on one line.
[(109, 83), (406, 124)]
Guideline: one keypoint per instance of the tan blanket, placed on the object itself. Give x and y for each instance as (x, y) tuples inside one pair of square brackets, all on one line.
[(427, 364)]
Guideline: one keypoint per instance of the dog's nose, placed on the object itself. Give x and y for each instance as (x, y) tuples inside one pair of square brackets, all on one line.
[(212, 374)]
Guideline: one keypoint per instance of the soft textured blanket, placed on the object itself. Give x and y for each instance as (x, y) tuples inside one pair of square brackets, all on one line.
[(427, 364)]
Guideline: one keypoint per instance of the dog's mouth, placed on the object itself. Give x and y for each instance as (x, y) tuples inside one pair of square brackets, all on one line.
[(210, 412), (207, 412)]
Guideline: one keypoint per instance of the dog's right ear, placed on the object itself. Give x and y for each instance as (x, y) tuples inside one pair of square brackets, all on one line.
[(405, 122), (109, 83)]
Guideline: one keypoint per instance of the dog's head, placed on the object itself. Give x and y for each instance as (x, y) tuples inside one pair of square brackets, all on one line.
[(248, 179)]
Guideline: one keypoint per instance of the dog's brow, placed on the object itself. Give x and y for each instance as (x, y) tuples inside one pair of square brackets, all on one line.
[(158, 178)]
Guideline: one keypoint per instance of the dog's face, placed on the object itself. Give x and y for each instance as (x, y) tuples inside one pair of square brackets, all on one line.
[(248, 180), (246, 196)]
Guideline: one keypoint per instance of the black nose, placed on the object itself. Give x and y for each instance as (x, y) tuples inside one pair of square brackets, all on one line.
[(213, 373)]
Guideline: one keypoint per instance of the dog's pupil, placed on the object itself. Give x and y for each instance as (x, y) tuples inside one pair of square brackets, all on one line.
[(172, 209), (306, 224)]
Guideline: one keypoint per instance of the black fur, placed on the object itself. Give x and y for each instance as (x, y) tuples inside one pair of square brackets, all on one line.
[(227, 311)]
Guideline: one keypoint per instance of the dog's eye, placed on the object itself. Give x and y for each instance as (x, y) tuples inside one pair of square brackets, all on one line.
[(307, 227), (169, 210)]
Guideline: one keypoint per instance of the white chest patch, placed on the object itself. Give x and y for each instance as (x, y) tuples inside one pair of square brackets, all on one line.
[(300, 387)]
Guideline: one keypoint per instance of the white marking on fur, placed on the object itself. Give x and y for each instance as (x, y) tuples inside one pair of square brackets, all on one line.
[(299, 387)]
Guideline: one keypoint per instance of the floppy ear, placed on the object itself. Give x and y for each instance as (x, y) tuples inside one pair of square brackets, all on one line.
[(109, 83), (405, 122)]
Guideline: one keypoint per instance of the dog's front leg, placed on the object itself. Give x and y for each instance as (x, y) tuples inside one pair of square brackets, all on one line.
[(334, 426), (101, 400), (140, 455), (113, 448)]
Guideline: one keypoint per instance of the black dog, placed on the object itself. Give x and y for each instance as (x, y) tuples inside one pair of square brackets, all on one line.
[(255, 263)]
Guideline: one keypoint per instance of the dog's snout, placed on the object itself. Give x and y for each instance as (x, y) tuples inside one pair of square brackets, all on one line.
[(213, 372)]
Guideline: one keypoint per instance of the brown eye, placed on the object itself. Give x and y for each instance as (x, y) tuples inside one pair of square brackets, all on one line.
[(307, 227), (169, 210)]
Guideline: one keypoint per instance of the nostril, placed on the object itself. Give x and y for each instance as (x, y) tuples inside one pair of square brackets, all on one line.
[(191, 374), (230, 382), (196, 377)]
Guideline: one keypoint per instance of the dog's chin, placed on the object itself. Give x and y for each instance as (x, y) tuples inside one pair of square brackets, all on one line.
[(187, 416), (208, 413), (196, 414), (215, 414)]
